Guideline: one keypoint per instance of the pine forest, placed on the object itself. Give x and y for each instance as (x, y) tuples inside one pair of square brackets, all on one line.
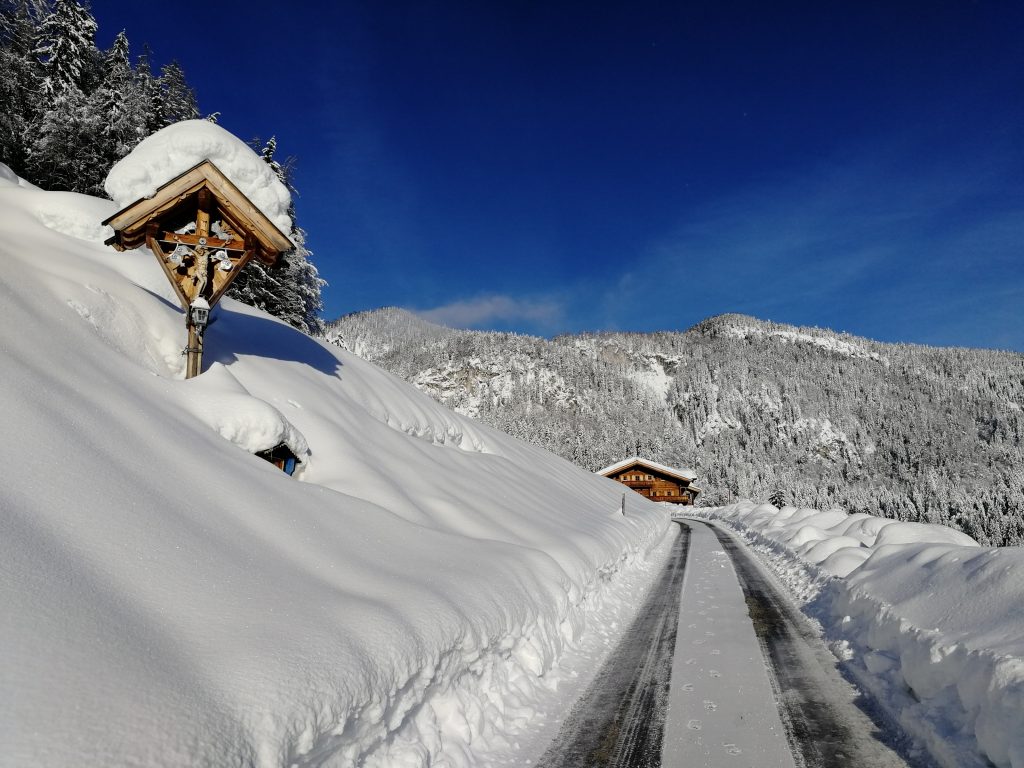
[(763, 411)]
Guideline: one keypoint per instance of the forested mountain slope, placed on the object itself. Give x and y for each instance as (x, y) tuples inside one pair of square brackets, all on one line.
[(759, 409)]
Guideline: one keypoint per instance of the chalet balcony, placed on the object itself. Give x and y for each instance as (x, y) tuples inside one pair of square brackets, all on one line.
[(638, 484), (671, 499)]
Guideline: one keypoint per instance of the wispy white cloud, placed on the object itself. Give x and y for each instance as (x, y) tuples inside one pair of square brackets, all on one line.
[(876, 245), (488, 310)]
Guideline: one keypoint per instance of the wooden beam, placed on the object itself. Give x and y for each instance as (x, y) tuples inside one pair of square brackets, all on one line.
[(169, 195), (193, 240), (161, 257), (203, 216)]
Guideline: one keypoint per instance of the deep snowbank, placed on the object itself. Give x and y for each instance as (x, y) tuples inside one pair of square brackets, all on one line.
[(921, 614), (170, 599)]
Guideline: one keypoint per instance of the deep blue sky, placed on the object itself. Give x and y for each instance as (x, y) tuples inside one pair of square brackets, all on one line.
[(550, 167)]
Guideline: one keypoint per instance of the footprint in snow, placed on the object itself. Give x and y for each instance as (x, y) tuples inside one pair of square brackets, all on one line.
[(694, 725), (732, 749), (709, 705), (714, 673), (716, 652), (687, 686)]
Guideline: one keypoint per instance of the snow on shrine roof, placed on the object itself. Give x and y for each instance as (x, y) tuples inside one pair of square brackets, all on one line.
[(173, 150), (682, 474)]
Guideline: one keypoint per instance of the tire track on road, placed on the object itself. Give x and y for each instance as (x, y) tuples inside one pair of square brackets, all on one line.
[(619, 722), (830, 724)]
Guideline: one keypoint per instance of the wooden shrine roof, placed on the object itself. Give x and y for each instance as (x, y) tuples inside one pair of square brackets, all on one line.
[(130, 223)]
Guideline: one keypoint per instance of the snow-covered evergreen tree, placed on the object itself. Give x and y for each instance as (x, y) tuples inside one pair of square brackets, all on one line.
[(67, 49), (292, 290), (20, 81), (69, 111), (120, 109), (179, 100), (151, 98), (66, 152)]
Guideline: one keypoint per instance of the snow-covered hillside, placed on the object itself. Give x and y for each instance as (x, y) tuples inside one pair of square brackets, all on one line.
[(760, 409), (919, 615), (169, 598)]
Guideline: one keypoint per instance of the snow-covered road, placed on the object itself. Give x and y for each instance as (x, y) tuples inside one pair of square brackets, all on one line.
[(722, 709), (826, 718), (720, 670)]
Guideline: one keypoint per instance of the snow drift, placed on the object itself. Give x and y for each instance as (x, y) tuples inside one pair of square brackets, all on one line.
[(171, 599), (923, 616)]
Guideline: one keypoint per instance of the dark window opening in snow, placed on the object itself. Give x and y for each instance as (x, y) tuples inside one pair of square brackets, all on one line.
[(281, 456)]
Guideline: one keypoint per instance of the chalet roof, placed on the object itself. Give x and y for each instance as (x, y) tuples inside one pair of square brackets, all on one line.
[(130, 223), (681, 474)]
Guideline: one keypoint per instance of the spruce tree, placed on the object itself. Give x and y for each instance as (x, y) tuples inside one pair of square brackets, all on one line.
[(119, 108), (179, 100), (20, 81), (151, 96), (292, 290), (67, 148), (67, 49)]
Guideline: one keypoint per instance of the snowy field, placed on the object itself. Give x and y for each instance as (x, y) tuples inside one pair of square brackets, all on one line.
[(920, 615), (409, 598)]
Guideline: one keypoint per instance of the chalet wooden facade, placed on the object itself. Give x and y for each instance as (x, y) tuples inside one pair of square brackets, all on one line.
[(655, 481)]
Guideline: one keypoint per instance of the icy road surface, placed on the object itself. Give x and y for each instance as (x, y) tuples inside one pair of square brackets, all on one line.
[(719, 670), (619, 720), (722, 706)]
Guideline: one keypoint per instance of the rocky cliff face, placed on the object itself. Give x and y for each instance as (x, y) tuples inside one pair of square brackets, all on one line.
[(759, 409)]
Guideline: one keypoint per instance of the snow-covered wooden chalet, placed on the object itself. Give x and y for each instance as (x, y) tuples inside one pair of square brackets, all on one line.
[(655, 481)]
